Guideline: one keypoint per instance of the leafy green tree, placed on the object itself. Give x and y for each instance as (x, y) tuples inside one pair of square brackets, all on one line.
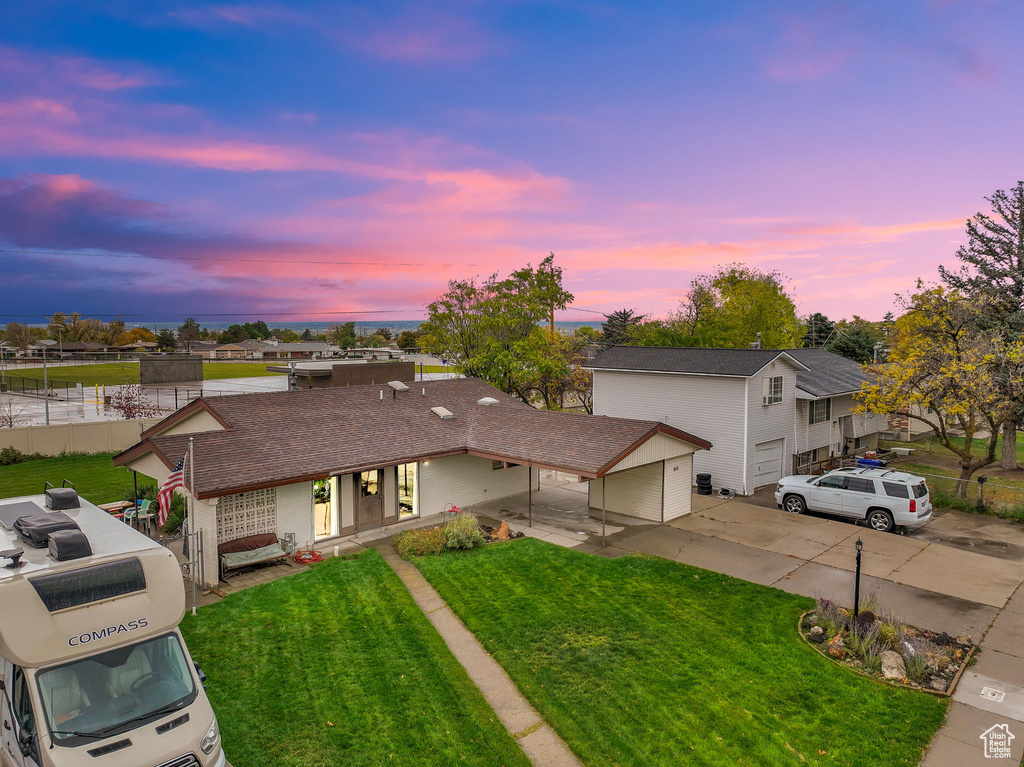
[(487, 329), (992, 273), (188, 334), (617, 326), (855, 344), (233, 334), (112, 331), (257, 330), (166, 340), (818, 330), (729, 307), (342, 335), (408, 339), (384, 333), (669, 332), (307, 335)]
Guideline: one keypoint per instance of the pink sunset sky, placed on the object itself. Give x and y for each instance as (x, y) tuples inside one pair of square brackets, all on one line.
[(171, 159)]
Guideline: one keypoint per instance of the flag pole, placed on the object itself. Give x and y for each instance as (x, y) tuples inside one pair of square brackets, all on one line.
[(193, 549)]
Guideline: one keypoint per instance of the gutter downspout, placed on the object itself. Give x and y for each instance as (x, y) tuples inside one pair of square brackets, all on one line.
[(746, 446)]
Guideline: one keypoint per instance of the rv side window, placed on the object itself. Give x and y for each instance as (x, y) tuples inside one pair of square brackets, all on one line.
[(90, 584), (22, 704)]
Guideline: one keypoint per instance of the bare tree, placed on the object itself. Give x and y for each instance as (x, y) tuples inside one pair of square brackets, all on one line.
[(12, 411), (129, 402)]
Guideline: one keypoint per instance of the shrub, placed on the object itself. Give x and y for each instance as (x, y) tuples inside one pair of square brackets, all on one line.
[(918, 656), (889, 634), (419, 542), (463, 532), (862, 639), (176, 517), (11, 455), (830, 617)]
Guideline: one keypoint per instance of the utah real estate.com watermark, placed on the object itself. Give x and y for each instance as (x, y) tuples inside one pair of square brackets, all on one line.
[(997, 740)]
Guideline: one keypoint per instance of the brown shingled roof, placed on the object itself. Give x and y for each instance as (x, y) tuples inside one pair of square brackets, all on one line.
[(283, 437)]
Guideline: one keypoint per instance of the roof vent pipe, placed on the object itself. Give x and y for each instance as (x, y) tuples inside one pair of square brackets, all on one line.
[(424, 391)]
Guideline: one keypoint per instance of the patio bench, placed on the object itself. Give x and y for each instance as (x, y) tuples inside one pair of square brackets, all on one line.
[(252, 550)]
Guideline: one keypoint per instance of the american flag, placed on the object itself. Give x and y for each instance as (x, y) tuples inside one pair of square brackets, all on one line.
[(174, 480)]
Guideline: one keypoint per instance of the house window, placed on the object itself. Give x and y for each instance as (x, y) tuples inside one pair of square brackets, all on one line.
[(860, 442), (326, 507), (408, 490), (772, 390), (804, 460), (820, 411)]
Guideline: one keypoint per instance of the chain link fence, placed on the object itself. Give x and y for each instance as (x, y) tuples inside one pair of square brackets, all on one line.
[(36, 387)]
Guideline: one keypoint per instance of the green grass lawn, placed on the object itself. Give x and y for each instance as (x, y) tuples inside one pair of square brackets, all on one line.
[(643, 661), (95, 477), (338, 666), (112, 373), (935, 448)]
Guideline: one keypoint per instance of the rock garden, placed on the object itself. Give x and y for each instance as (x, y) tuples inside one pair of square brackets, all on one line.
[(886, 648)]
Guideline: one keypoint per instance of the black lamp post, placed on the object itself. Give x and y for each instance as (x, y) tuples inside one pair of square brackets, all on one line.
[(856, 584)]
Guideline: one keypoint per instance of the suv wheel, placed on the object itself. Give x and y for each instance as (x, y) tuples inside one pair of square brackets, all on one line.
[(881, 520), (794, 504)]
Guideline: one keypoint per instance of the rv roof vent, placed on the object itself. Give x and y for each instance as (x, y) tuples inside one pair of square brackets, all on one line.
[(69, 544), (442, 413), (61, 498), (487, 401), (398, 386)]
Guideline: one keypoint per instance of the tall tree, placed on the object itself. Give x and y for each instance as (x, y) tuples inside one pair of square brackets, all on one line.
[(408, 339), (342, 335), (166, 339), (112, 330), (818, 330), (992, 271), (731, 306), (944, 372), (617, 326), (188, 334), (307, 335), (18, 335), (486, 329)]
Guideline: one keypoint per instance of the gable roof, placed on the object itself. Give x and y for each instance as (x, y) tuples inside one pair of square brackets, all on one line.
[(283, 437), (685, 359), (828, 374)]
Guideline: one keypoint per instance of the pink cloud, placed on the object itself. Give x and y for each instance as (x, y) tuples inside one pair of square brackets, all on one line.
[(47, 71), (421, 36)]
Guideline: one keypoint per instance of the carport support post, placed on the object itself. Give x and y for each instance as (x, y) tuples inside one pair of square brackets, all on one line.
[(604, 507), (529, 493), (856, 583)]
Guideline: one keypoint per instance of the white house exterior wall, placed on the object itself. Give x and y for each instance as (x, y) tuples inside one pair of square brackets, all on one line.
[(657, 448), (767, 422), (295, 512), (677, 486), (808, 437), (710, 407), (465, 480), (636, 491)]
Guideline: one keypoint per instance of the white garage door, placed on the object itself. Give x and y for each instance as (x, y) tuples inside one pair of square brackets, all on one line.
[(768, 462)]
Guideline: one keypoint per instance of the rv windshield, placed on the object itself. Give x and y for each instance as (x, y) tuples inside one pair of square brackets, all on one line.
[(115, 691)]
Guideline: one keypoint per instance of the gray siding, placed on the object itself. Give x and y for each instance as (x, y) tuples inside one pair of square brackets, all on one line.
[(710, 407)]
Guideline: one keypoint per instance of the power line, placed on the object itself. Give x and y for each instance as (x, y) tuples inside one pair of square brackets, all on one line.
[(216, 258), (92, 315)]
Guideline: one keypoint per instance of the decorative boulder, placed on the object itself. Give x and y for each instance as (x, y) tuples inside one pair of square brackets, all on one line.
[(836, 647), (816, 635), (893, 666), (866, 618)]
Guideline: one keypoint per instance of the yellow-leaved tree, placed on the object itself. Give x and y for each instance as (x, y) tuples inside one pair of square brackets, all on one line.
[(944, 372)]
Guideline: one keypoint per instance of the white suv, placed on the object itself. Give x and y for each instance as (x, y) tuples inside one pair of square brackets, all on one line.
[(885, 499)]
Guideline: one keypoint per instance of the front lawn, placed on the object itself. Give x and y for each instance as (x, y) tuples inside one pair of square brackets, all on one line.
[(643, 661), (338, 666), (95, 477), (114, 373)]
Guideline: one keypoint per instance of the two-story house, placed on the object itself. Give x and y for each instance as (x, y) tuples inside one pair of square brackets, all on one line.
[(768, 413)]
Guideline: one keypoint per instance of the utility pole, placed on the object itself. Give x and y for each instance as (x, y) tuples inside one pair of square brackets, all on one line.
[(46, 389)]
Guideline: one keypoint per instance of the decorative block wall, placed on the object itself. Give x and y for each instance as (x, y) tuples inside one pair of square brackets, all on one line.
[(245, 514)]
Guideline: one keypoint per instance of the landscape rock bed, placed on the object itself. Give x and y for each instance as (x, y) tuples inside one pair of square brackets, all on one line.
[(887, 649), (500, 533)]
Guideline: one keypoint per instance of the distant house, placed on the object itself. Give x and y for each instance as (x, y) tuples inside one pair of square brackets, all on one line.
[(324, 464), (769, 413), (302, 350)]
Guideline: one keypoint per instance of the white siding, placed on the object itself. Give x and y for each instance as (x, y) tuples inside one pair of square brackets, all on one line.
[(678, 490), (709, 407), (822, 434), (657, 448), (348, 501), (467, 479), (150, 466), (295, 512), (636, 492), (767, 422)]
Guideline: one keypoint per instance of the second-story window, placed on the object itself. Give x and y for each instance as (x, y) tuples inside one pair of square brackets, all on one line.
[(772, 390), (821, 411)]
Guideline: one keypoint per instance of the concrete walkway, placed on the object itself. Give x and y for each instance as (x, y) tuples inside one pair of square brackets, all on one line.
[(539, 742)]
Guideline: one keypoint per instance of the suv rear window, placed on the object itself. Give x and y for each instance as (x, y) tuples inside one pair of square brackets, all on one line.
[(860, 485), (896, 490), (920, 491)]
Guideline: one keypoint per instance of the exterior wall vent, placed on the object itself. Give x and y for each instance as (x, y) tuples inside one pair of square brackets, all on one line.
[(442, 412), (487, 401), (398, 386)]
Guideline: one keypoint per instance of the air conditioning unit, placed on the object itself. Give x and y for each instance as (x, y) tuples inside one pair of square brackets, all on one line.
[(766, 400)]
